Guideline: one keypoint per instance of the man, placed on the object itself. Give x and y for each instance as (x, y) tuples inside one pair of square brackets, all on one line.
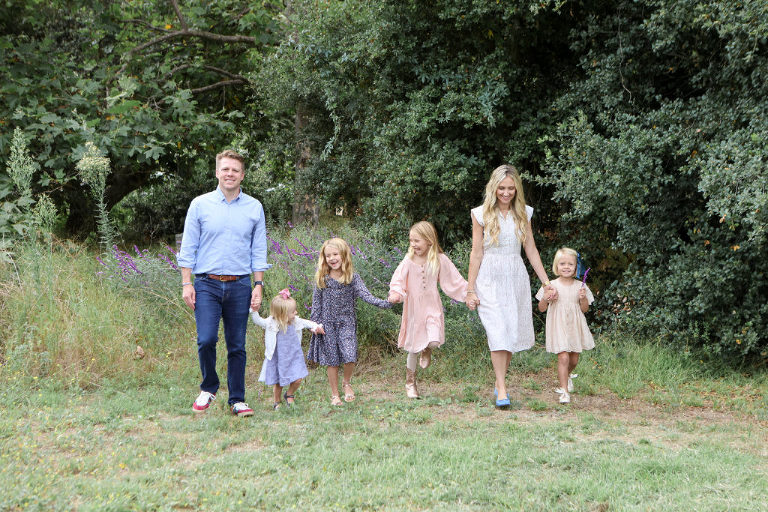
[(224, 242)]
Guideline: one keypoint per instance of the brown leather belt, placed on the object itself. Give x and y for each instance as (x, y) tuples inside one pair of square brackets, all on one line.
[(224, 278)]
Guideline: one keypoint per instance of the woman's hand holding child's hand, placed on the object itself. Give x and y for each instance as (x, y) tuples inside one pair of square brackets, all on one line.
[(582, 293), (551, 293), (318, 330)]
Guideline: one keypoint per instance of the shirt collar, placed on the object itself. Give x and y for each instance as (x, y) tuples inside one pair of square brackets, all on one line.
[(221, 196)]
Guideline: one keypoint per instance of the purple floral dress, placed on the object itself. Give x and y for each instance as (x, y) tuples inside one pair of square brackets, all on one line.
[(334, 307)]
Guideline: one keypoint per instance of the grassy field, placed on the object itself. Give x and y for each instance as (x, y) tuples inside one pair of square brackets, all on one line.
[(85, 425), (122, 448)]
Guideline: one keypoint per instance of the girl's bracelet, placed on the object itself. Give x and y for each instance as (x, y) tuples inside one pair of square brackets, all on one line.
[(470, 291)]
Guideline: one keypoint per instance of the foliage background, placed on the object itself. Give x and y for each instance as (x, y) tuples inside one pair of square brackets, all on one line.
[(640, 127)]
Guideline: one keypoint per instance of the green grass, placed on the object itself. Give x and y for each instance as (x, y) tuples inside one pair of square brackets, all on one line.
[(85, 425), (144, 449)]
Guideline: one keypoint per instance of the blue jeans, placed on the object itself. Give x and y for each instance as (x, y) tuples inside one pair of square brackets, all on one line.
[(228, 301)]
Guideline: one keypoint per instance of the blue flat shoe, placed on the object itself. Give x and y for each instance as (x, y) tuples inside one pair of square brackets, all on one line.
[(504, 402)]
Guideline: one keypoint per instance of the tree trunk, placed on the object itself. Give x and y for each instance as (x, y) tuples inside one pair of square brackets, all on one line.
[(305, 208)]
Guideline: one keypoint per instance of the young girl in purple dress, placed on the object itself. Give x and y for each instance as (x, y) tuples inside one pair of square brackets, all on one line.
[(337, 287), (283, 358)]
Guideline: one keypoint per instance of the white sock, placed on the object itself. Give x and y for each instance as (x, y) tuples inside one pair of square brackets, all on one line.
[(412, 361)]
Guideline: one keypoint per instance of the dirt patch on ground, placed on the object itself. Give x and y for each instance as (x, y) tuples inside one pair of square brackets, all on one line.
[(633, 420)]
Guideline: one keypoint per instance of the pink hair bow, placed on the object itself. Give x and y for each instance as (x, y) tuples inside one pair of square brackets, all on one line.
[(285, 293)]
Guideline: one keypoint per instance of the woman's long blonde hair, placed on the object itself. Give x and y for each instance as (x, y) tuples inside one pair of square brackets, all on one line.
[(426, 231), (491, 209), (347, 268)]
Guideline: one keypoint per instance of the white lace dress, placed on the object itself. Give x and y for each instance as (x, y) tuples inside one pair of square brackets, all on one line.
[(504, 288)]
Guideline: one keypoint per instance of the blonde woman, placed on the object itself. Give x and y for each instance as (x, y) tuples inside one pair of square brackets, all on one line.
[(415, 282), (499, 285), (337, 287)]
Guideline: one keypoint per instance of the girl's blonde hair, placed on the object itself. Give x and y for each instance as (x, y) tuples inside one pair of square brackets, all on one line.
[(563, 251), (491, 209), (280, 308), (426, 231), (323, 269)]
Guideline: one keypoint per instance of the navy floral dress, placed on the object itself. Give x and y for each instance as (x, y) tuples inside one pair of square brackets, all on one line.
[(334, 307)]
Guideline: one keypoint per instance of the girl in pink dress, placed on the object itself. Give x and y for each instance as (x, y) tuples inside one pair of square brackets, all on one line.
[(415, 284)]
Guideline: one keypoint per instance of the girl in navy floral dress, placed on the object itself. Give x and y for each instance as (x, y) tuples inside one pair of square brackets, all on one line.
[(337, 286)]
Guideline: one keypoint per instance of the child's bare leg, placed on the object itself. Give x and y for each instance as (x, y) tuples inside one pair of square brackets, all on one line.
[(500, 361), (349, 393), (563, 364), (333, 380), (292, 387), (277, 390), (573, 361)]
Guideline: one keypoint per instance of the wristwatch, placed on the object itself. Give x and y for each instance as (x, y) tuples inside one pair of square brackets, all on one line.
[(258, 282)]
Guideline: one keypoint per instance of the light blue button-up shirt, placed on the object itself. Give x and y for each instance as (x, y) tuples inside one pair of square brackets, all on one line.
[(224, 238)]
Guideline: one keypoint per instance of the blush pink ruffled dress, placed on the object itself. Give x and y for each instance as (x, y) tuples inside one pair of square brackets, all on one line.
[(567, 329), (423, 319)]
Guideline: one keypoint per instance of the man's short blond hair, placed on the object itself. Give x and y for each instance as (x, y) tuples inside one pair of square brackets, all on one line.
[(230, 153)]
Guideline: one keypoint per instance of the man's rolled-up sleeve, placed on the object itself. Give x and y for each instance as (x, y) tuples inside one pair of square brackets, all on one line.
[(190, 240), (259, 244)]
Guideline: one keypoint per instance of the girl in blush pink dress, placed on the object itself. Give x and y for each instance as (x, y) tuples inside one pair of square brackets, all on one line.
[(567, 331), (415, 284)]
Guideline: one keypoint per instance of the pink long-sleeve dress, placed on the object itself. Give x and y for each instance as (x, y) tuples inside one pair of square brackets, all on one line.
[(423, 319)]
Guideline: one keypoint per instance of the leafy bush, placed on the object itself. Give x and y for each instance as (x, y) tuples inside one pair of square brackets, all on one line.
[(645, 121), (666, 164)]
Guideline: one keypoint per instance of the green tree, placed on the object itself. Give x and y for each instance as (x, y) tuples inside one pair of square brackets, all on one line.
[(664, 160), (157, 85), (642, 123), (407, 106)]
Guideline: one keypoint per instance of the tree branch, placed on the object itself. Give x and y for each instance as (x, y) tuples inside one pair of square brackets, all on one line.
[(193, 33), (223, 83), (209, 68), (185, 33), (146, 24), (183, 22)]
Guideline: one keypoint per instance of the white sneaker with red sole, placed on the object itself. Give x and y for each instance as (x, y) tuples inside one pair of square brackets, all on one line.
[(241, 409), (203, 400)]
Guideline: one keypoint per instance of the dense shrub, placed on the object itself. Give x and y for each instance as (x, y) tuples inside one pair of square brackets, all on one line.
[(642, 125), (666, 163)]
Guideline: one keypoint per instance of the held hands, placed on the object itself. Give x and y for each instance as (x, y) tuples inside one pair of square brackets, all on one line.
[(318, 330), (256, 298), (582, 293), (394, 298), (472, 301), (551, 293)]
